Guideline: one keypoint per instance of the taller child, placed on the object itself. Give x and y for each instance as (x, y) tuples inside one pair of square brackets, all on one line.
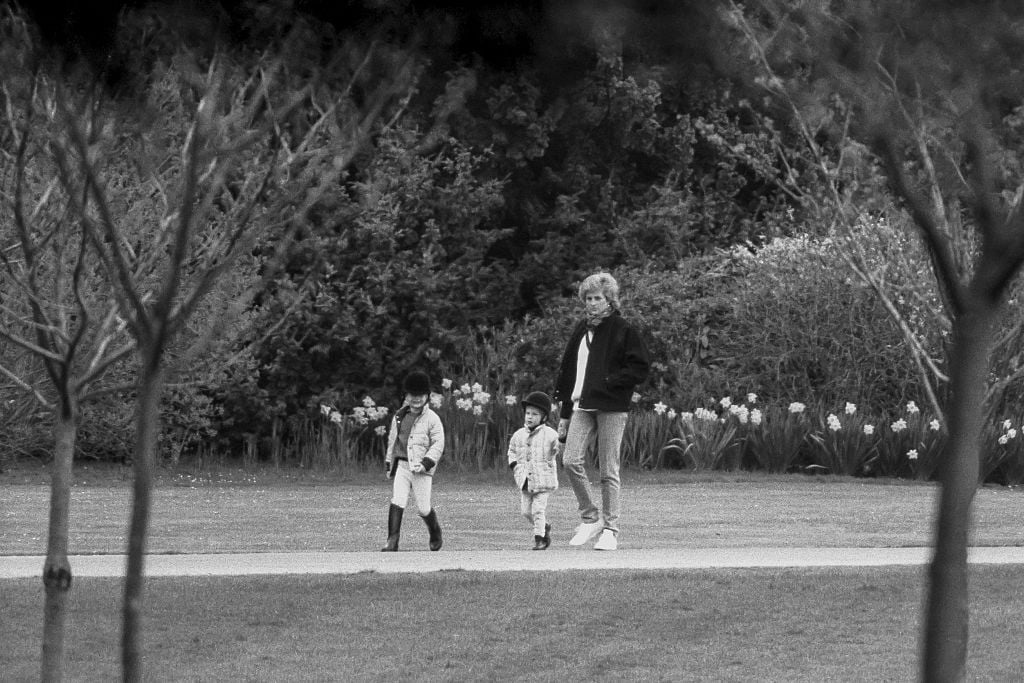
[(415, 444), (605, 358)]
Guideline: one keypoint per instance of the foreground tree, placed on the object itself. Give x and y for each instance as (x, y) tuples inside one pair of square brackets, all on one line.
[(170, 191), (50, 308), (934, 91)]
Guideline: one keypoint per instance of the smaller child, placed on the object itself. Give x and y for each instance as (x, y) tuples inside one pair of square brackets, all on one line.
[(532, 453)]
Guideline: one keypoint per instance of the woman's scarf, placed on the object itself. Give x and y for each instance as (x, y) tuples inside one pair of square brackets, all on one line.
[(593, 320)]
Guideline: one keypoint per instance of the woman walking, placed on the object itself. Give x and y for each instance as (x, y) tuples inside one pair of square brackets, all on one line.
[(605, 358)]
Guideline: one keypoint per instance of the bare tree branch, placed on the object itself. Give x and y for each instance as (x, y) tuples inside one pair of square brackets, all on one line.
[(22, 384)]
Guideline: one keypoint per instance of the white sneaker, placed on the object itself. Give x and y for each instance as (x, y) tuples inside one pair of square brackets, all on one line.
[(608, 541), (586, 531)]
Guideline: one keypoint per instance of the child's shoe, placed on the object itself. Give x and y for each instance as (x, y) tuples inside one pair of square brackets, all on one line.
[(542, 542)]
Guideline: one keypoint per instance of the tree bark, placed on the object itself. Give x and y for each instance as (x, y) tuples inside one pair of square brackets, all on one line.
[(946, 627), (57, 568), (146, 430)]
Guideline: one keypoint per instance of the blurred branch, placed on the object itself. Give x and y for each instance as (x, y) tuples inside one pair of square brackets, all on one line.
[(22, 384)]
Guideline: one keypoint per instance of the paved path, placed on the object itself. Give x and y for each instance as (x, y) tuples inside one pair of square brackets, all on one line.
[(28, 566)]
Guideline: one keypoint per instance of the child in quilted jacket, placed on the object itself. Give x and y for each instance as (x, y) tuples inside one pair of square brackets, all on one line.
[(415, 444), (532, 453)]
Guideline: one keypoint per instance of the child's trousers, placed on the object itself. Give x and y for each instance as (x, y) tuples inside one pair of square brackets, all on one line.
[(419, 484), (534, 508)]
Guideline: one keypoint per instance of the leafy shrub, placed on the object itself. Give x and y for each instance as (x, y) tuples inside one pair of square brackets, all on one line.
[(803, 324), (106, 430)]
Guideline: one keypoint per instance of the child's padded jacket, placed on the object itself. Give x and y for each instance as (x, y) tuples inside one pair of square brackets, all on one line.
[(426, 439), (536, 452)]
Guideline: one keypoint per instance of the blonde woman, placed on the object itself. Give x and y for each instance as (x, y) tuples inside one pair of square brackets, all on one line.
[(605, 358)]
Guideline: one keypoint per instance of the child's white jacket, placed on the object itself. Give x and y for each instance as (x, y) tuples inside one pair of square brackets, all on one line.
[(535, 452), (426, 439)]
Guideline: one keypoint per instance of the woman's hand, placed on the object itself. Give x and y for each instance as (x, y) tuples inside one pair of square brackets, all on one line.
[(563, 429)]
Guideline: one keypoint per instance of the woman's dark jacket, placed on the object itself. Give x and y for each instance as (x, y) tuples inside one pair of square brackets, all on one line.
[(618, 362)]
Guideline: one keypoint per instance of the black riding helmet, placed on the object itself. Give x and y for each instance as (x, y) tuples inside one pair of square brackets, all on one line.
[(539, 400)]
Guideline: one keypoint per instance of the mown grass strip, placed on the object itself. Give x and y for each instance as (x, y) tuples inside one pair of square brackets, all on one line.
[(844, 624)]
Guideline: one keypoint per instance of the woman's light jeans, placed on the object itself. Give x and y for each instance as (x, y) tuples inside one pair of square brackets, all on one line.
[(603, 430)]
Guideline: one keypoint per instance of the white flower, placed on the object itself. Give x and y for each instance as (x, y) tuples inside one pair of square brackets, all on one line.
[(336, 417), (725, 402), (466, 389), (1003, 440), (705, 414), (368, 402), (935, 425), (436, 400), (850, 409), (511, 400), (476, 388), (912, 408), (325, 410), (687, 416), (359, 413), (833, 422), (1007, 424), (481, 397), (636, 397), (751, 398), (755, 416), (446, 383), (478, 410), (869, 430), (796, 407), (912, 454), (464, 404), (381, 430), (659, 408), (899, 425), (671, 414), (1012, 434)]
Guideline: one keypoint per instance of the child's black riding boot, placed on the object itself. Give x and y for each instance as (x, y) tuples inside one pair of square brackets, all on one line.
[(542, 542), (434, 527), (394, 528)]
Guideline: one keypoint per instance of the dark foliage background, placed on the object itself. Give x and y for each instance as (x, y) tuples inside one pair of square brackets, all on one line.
[(542, 141)]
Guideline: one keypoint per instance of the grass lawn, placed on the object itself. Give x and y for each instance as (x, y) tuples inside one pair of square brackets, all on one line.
[(231, 511), (733, 625)]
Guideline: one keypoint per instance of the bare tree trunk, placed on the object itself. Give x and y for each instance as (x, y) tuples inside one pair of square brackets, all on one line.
[(146, 430), (946, 627), (57, 569)]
